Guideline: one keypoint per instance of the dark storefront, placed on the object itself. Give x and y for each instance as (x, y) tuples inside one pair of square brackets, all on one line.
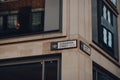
[(31, 68)]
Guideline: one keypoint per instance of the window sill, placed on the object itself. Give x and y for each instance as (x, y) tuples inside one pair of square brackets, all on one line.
[(31, 38), (105, 54)]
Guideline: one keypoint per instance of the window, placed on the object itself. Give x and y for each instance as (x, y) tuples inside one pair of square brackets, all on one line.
[(51, 70), (30, 17), (107, 38), (100, 73), (31, 71), (105, 27), (12, 21), (33, 68), (37, 20), (114, 2)]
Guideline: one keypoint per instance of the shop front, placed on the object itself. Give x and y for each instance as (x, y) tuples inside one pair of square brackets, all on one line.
[(31, 68)]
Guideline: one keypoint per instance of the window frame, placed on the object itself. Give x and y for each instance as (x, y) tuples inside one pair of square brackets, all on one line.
[(11, 15), (100, 70), (97, 17), (10, 63), (37, 32), (114, 4)]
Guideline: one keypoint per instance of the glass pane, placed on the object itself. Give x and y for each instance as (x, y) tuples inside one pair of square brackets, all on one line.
[(1, 23), (105, 35), (109, 17), (52, 15), (36, 21), (114, 2), (11, 21), (36, 17), (22, 72), (104, 12), (94, 74), (110, 39), (102, 77), (21, 19), (51, 70)]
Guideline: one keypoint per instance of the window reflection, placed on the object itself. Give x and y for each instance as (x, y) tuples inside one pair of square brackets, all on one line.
[(104, 12), (107, 14), (109, 39), (105, 35), (36, 21), (12, 21), (102, 77), (109, 17), (114, 2)]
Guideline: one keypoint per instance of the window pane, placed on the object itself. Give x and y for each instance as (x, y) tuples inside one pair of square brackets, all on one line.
[(36, 21), (110, 39), (51, 70), (1, 23), (52, 15), (94, 75), (102, 77), (36, 17), (30, 17), (11, 21), (114, 2), (105, 35), (104, 12), (22, 72), (109, 17)]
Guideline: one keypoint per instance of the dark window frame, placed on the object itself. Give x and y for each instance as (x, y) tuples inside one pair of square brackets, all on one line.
[(31, 60), (97, 29), (6, 35), (115, 5), (97, 69)]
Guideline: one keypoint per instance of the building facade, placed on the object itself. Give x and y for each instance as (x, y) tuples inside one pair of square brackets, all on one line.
[(59, 39)]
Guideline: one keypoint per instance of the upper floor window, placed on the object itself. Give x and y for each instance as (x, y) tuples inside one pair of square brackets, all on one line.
[(37, 21), (107, 14), (105, 32), (27, 18), (114, 2)]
